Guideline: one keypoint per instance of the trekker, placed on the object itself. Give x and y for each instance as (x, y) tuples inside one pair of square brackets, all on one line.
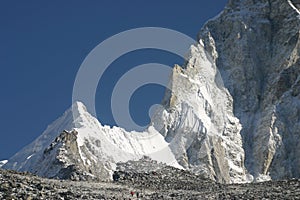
[(132, 193)]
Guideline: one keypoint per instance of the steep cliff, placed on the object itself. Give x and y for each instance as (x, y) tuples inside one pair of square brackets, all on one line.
[(258, 57), (240, 81)]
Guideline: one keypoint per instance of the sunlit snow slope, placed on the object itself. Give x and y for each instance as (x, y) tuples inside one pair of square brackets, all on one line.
[(82, 148)]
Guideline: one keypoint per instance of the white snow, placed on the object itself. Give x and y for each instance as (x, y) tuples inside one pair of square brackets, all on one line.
[(234, 167), (109, 145), (34, 150), (29, 157), (201, 42), (3, 162), (118, 145), (293, 6), (262, 178)]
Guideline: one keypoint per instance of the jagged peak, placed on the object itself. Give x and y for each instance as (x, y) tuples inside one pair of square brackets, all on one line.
[(81, 116), (79, 107)]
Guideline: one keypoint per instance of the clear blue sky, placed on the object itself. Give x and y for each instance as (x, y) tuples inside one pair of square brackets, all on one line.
[(43, 43)]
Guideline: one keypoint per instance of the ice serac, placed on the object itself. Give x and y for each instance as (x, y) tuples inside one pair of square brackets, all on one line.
[(255, 47), (78, 147)]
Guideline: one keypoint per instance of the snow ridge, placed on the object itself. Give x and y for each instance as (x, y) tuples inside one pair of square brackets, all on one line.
[(83, 142)]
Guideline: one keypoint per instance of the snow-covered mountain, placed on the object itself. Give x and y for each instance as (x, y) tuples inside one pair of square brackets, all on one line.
[(81, 148), (232, 113)]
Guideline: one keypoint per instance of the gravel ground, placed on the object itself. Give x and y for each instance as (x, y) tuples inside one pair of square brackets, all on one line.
[(167, 183)]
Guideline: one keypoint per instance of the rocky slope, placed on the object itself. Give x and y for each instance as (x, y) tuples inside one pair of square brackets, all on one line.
[(166, 183)]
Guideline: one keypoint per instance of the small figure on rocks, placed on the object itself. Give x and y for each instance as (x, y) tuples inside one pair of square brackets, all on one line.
[(116, 176), (132, 193)]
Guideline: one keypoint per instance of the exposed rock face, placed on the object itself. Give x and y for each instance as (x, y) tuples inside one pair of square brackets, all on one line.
[(258, 57), (61, 159), (255, 47), (199, 123)]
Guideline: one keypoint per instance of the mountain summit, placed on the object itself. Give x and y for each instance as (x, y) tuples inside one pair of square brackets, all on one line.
[(238, 95), (231, 114), (76, 146)]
